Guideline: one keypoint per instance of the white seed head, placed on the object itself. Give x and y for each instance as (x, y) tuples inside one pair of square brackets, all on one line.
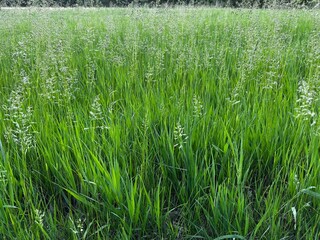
[(197, 107), (96, 109), (305, 102), (39, 215), (179, 136)]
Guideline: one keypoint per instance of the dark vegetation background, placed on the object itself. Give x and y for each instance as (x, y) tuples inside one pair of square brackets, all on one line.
[(153, 3)]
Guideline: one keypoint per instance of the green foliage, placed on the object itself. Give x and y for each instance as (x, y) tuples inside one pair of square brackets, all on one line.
[(158, 3), (153, 123)]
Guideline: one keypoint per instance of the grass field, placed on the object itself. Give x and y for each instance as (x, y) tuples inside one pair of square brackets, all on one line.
[(184, 123)]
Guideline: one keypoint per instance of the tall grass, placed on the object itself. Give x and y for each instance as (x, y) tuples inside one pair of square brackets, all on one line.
[(186, 123)]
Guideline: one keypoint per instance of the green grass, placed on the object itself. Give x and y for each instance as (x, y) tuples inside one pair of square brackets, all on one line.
[(185, 123)]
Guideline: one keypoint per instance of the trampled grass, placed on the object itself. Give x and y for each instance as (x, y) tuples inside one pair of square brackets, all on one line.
[(185, 123)]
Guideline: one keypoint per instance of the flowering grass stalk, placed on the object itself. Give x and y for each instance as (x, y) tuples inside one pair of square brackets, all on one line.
[(166, 123)]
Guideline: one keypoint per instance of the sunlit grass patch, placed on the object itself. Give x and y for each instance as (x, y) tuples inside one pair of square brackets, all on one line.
[(159, 123)]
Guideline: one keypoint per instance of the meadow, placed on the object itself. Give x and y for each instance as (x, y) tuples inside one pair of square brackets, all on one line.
[(168, 123)]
